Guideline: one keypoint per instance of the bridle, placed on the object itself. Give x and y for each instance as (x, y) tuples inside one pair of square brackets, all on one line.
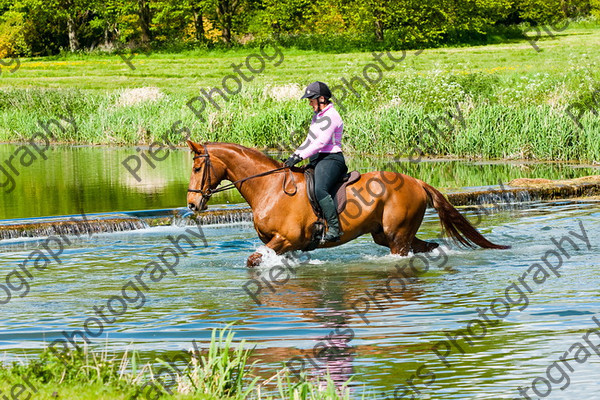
[(205, 176), (206, 194)]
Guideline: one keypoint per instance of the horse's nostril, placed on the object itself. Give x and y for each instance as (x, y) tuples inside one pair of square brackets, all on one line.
[(192, 206)]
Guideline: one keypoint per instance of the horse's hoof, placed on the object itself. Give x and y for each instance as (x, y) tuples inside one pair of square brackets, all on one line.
[(254, 260), (420, 246), (432, 246)]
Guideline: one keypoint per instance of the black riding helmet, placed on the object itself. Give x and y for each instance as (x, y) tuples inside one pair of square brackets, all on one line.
[(316, 90)]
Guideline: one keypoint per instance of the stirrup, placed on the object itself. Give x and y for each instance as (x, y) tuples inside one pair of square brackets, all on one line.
[(331, 239)]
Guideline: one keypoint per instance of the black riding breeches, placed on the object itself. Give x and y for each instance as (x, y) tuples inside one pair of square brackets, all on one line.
[(330, 168)]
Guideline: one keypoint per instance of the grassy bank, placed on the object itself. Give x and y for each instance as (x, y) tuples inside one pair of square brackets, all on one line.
[(506, 101), (223, 371)]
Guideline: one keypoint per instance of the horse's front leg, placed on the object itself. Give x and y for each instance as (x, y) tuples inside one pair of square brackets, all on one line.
[(278, 244)]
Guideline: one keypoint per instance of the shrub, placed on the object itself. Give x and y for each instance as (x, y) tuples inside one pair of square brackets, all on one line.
[(12, 35)]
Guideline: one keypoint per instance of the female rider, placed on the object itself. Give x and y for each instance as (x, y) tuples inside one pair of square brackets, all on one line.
[(323, 146)]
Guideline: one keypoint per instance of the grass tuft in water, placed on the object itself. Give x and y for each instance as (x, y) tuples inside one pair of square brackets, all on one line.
[(222, 372)]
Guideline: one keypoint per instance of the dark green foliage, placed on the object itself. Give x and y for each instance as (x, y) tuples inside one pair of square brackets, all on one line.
[(325, 25)]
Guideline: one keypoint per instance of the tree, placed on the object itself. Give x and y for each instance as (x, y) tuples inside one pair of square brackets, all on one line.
[(200, 10), (283, 16), (145, 19), (54, 24), (174, 17), (476, 15), (595, 7), (226, 12), (367, 16), (12, 38), (108, 20), (75, 13), (541, 11)]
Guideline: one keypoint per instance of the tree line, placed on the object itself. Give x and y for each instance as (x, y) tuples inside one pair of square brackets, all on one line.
[(45, 27)]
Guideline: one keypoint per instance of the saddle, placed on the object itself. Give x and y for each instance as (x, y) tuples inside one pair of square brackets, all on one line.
[(339, 200), (340, 190)]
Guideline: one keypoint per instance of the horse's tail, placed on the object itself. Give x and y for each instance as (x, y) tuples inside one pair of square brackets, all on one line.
[(453, 222)]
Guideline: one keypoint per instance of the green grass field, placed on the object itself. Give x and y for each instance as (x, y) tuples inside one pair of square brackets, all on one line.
[(512, 99)]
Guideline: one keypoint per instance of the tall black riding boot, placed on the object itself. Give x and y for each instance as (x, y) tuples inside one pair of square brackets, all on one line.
[(333, 223)]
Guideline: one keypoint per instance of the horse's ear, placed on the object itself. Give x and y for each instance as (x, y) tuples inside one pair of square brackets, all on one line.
[(194, 146)]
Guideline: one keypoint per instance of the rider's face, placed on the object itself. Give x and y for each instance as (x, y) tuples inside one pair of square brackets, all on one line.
[(314, 103)]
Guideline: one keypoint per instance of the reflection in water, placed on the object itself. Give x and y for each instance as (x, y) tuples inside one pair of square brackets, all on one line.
[(322, 295), (93, 179), (332, 304)]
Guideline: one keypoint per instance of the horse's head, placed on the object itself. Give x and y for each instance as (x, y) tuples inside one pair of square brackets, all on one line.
[(207, 172)]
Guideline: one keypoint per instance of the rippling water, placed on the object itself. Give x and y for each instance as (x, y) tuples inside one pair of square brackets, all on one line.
[(379, 348)]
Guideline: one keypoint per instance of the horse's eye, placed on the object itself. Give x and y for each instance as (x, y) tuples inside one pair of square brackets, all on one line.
[(196, 170)]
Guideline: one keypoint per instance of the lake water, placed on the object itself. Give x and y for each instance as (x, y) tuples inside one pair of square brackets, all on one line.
[(330, 289), (93, 179), (379, 336)]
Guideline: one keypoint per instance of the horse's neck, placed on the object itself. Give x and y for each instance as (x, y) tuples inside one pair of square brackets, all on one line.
[(241, 165)]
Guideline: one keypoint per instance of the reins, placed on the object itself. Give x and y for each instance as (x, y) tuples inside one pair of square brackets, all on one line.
[(206, 176)]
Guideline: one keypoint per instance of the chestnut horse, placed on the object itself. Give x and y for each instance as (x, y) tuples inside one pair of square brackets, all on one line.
[(388, 205)]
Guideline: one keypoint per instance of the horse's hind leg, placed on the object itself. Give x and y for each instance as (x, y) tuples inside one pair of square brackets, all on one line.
[(421, 246), (398, 241), (402, 238), (400, 245), (380, 238), (401, 219)]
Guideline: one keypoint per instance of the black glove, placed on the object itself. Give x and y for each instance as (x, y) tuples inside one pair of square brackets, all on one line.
[(293, 160)]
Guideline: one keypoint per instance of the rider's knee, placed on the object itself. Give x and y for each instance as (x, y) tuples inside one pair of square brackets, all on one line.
[(321, 193)]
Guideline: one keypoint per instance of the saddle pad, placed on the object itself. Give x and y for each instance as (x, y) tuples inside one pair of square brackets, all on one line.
[(340, 190)]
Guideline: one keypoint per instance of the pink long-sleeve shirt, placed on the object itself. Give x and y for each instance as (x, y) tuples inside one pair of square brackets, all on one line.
[(324, 135)]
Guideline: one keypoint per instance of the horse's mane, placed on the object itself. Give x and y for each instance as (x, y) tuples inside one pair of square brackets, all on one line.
[(248, 151)]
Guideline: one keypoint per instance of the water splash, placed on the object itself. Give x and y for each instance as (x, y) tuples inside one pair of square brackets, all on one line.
[(183, 217), (290, 260)]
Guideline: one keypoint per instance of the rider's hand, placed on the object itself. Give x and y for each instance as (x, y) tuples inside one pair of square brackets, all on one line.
[(293, 160)]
